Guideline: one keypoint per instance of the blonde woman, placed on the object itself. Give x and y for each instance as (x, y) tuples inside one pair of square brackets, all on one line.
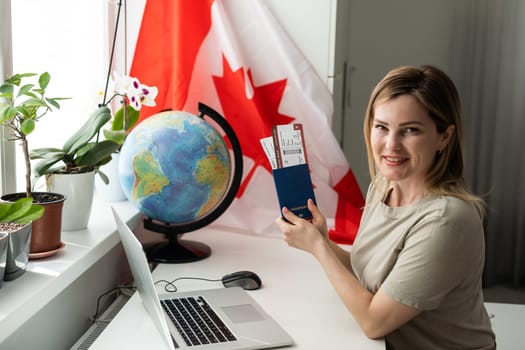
[(414, 273)]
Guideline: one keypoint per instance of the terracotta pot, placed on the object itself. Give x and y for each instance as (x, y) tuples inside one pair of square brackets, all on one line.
[(46, 231)]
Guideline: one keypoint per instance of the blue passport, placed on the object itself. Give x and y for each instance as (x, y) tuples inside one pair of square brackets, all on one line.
[(294, 187)]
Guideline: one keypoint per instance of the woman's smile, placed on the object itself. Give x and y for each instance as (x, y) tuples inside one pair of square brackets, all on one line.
[(404, 139)]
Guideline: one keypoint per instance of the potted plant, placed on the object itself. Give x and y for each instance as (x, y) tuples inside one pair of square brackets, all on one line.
[(15, 233), (78, 160), (22, 105)]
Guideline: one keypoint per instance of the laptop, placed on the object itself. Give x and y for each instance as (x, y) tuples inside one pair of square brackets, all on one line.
[(228, 318)]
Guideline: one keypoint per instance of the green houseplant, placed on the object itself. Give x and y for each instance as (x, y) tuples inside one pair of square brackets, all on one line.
[(23, 102), (70, 170), (82, 152), (23, 105), (15, 229)]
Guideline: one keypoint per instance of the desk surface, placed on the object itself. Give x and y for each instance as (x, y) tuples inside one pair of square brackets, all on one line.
[(295, 293)]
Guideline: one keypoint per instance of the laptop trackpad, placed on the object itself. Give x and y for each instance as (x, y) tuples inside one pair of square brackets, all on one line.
[(242, 313)]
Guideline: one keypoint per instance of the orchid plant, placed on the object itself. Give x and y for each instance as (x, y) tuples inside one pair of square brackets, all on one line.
[(134, 95), (84, 151)]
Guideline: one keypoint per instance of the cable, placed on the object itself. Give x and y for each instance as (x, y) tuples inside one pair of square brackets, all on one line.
[(122, 289), (170, 287)]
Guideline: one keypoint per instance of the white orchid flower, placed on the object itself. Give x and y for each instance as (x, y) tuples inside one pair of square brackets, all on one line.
[(140, 94)]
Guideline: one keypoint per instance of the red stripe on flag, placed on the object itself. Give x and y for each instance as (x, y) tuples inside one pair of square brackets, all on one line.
[(170, 36), (350, 205)]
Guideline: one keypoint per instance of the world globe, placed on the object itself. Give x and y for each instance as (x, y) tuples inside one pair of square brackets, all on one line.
[(175, 167)]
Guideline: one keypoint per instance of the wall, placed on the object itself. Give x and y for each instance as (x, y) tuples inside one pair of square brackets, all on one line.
[(374, 36)]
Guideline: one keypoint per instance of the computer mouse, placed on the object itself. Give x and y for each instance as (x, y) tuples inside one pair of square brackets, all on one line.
[(245, 279)]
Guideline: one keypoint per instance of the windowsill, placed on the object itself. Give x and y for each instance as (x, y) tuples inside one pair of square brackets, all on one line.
[(46, 278)]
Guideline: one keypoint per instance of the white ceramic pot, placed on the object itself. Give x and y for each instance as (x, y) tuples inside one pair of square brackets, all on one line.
[(112, 192), (78, 190)]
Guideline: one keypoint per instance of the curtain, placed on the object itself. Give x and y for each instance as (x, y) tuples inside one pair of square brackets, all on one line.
[(489, 67)]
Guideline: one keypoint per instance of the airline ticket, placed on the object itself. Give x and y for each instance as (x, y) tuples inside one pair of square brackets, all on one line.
[(289, 145)]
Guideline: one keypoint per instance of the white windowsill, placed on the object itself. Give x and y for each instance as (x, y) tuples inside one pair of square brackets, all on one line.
[(46, 278)]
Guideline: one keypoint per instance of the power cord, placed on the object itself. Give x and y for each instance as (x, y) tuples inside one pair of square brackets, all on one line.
[(170, 287), (126, 290)]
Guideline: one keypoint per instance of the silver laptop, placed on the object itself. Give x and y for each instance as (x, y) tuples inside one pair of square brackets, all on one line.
[(226, 318)]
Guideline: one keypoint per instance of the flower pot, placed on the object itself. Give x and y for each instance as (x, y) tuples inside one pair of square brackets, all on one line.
[(18, 246), (78, 189), (111, 192), (4, 239), (46, 231)]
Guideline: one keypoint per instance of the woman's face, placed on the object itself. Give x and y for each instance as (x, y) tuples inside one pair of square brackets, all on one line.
[(405, 140)]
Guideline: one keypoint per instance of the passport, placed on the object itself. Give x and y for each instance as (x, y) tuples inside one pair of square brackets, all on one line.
[(293, 185)]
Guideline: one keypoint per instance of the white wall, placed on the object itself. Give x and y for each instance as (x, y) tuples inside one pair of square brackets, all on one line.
[(311, 24), (381, 35)]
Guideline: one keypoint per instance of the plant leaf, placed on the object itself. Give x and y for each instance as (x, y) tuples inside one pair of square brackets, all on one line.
[(129, 120), (43, 166), (4, 208), (8, 114), (18, 209), (6, 90), (97, 153), (117, 136), (36, 102), (24, 89), (35, 212), (28, 125), (53, 102), (43, 80), (103, 177), (90, 128), (49, 152)]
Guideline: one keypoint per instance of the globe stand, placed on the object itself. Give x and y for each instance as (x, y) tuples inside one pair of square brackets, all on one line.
[(175, 250)]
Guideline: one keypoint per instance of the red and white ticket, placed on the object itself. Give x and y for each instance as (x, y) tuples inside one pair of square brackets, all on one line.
[(290, 149)]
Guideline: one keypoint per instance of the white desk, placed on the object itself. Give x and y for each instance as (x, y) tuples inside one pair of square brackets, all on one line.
[(295, 292), (507, 322)]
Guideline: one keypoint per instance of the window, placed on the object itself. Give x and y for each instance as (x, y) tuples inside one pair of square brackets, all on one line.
[(71, 43)]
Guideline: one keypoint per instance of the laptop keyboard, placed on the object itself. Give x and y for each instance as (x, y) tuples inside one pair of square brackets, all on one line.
[(196, 321)]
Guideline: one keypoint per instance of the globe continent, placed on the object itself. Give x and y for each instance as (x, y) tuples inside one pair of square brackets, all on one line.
[(175, 167)]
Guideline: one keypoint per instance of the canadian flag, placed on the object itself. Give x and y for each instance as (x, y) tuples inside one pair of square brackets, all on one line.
[(236, 58)]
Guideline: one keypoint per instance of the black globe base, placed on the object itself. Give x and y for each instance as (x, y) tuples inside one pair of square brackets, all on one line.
[(177, 251)]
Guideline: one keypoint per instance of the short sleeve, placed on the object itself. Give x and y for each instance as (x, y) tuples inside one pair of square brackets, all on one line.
[(438, 254)]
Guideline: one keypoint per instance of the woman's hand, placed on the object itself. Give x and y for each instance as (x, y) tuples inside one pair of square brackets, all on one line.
[(300, 233), (318, 218)]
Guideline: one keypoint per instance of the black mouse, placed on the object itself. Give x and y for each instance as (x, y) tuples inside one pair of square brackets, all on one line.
[(245, 279)]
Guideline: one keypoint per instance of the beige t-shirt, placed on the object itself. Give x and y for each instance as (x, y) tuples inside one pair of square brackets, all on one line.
[(429, 256)]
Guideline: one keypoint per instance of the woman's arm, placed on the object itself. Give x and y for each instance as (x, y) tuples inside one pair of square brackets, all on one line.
[(377, 314)]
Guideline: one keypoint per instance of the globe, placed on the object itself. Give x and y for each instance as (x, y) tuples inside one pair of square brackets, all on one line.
[(176, 169)]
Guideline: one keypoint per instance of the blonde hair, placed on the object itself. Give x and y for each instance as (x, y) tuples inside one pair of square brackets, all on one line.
[(437, 93)]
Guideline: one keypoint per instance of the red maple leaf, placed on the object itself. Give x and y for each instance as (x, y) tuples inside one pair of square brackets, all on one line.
[(250, 118)]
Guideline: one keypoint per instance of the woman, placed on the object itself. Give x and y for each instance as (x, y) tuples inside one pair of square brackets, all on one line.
[(414, 275)]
